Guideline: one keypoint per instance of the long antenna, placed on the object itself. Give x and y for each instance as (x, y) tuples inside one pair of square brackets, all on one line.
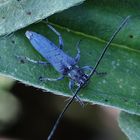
[(92, 73)]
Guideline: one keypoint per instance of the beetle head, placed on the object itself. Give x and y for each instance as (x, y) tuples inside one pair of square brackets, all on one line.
[(78, 75)]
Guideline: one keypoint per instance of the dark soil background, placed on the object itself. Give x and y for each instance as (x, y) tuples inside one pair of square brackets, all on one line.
[(40, 110)]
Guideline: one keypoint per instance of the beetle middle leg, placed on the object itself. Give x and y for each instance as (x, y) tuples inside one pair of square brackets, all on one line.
[(23, 59), (61, 44), (71, 85), (77, 58), (43, 79)]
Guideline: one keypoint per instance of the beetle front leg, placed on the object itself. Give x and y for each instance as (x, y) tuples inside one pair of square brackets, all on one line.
[(23, 59), (90, 68), (71, 86), (43, 79), (85, 68), (61, 44)]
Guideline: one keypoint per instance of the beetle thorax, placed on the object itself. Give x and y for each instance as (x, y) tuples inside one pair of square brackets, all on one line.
[(77, 75)]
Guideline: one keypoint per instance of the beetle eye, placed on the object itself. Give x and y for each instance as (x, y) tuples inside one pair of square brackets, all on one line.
[(69, 67), (80, 72), (66, 70)]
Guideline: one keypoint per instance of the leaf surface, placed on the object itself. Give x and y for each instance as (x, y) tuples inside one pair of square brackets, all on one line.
[(119, 88), (130, 124), (16, 14)]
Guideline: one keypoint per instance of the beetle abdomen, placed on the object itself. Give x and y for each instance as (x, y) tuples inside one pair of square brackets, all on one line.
[(54, 55)]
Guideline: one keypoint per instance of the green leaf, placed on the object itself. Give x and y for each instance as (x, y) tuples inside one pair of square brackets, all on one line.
[(130, 125), (16, 14), (100, 18), (119, 88)]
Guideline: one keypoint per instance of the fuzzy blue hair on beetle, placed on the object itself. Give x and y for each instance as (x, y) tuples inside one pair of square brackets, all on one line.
[(65, 64)]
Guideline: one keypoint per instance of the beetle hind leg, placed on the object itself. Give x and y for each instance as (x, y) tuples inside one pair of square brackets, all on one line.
[(43, 79), (24, 59)]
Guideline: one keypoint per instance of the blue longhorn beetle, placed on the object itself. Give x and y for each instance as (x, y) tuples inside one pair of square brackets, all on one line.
[(64, 64)]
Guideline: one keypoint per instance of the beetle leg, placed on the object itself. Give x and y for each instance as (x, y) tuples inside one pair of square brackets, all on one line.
[(71, 85), (77, 58), (90, 68), (61, 44), (23, 59), (51, 79), (87, 68)]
